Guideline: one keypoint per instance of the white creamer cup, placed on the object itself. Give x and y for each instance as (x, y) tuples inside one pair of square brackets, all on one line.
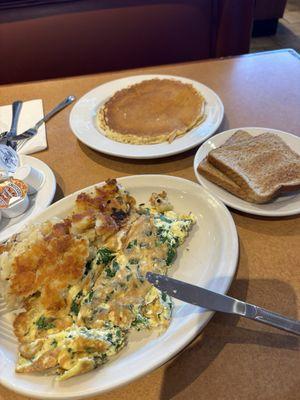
[(9, 159), (31, 176), (16, 209)]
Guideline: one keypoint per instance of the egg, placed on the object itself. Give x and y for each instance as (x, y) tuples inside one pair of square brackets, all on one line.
[(90, 318)]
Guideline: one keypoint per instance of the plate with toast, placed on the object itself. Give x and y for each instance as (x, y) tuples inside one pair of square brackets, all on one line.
[(254, 170)]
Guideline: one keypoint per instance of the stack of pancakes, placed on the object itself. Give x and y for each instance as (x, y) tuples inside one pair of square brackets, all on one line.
[(152, 111)]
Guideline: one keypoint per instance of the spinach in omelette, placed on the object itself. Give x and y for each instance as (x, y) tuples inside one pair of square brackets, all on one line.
[(84, 288)]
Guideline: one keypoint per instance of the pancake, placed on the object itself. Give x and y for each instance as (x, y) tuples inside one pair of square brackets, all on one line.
[(152, 111)]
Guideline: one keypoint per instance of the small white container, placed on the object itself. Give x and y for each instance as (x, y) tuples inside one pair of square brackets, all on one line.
[(31, 176), (16, 209), (9, 159), (3, 175)]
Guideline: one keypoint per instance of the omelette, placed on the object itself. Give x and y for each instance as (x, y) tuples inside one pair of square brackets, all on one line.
[(152, 111), (79, 282)]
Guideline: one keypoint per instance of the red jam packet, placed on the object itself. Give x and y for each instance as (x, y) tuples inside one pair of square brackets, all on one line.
[(12, 190)]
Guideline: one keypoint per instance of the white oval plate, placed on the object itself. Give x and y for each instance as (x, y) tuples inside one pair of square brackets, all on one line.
[(282, 206), (38, 201), (208, 258), (83, 121)]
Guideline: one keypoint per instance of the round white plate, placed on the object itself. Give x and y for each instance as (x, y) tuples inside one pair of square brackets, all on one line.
[(38, 202), (282, 206), (83, 121), (208, 258)]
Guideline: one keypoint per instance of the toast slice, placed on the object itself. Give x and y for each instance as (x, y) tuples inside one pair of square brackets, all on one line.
[(238, 137), (264, 166), (210, 172)]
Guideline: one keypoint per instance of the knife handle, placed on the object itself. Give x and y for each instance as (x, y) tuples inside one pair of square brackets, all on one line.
[(16, 109), (68, 100), (260, 314)]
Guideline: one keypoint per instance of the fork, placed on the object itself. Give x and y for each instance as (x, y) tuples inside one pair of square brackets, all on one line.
[(27, 135)]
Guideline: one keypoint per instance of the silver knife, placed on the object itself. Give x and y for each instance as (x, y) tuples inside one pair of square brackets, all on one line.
[(219, 302)]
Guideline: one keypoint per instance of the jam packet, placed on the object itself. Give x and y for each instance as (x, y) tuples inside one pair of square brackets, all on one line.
[(12, 191)]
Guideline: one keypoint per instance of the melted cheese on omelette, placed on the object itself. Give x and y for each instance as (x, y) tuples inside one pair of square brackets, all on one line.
[(84, 288)]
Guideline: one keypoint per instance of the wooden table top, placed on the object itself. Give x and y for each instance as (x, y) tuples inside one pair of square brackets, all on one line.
[(233, 358)]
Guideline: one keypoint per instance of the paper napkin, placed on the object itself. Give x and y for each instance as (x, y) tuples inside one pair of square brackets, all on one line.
[(31, 112)]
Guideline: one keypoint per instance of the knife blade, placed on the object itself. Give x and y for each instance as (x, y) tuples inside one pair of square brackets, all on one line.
[(219, 302)]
